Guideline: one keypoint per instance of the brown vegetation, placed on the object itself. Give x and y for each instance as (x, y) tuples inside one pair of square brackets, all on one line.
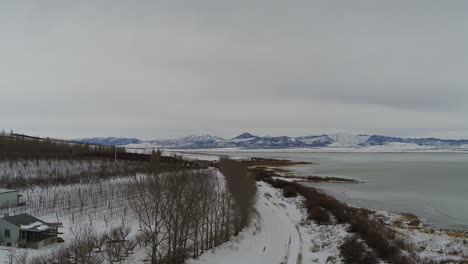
[(273, 172), (289, 191), (272, 162), (241, 184), (354, 251), (317, 179)]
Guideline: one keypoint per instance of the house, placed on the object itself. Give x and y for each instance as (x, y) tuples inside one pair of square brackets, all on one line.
[(26, 230), (9, 198)]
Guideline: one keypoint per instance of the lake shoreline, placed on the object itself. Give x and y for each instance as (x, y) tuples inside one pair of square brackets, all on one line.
[(426, 239), (289, 175)]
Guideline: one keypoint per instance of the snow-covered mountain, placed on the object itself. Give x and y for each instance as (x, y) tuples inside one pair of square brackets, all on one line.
[(348, 140), (192, 142), (108, 141), (329, 142)]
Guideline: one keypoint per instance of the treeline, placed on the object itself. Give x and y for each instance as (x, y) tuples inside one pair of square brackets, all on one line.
[(14, 146), (21, 174), (241, 184)]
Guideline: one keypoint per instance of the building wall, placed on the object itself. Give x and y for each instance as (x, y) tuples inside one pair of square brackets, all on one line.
[(14, 232), (9, 199)]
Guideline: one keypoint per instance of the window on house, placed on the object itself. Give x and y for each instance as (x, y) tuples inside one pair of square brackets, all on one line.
[(7, 233)]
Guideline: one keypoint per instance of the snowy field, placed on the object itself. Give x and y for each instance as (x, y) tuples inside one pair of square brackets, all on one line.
[(97, 206)]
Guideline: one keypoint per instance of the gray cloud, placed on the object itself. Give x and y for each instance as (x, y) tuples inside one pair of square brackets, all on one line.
[(166, 68)]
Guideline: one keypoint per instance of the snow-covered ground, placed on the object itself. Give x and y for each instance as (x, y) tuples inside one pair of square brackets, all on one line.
[(434, 244), (279, 234)]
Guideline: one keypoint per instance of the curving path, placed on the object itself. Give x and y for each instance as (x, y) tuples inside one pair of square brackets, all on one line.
[(273, 238)]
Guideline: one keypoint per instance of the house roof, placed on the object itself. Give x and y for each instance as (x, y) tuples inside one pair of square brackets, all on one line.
[(21, 219), (29, 222), (7, 191)]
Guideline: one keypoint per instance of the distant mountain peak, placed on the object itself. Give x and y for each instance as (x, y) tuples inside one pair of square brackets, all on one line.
[(244, 136)]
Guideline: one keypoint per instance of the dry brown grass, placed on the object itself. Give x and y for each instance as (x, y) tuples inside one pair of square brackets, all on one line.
[(411, 219), (273, 162), (458, 234), (408, 221)]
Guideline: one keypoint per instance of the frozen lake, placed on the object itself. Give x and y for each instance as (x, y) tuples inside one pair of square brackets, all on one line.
[(433, 186)]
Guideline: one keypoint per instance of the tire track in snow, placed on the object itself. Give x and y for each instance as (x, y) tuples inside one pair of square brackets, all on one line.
[(277, 241), (293, 247)]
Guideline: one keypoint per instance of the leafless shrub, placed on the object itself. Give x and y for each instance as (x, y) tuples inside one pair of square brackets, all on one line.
[(354, 251), (289, 191)]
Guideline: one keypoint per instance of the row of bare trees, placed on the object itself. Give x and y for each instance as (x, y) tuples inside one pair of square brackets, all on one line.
[(44, 173), (187, 212), (182, 213)]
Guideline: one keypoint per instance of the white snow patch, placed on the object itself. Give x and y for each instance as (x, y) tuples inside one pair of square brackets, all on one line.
[(37, 225)]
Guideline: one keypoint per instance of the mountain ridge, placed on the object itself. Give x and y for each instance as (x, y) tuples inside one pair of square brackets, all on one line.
[(249, 141)]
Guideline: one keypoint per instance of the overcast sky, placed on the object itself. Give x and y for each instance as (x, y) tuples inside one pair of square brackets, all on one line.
[(164, 69)]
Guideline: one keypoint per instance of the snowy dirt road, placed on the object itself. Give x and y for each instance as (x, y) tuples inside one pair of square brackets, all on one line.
[(273, 238)]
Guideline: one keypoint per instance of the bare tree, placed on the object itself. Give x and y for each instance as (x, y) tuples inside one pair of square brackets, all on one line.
[(145, 198), (16, 256), (82, 245)]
